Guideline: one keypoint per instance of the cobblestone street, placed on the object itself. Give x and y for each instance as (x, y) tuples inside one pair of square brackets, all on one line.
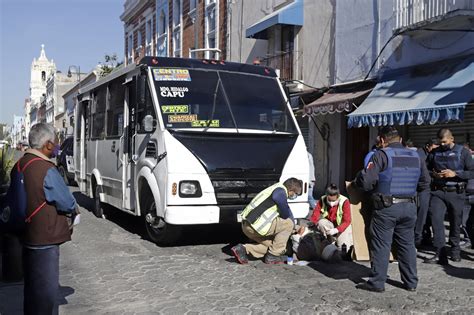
[(110, 269)]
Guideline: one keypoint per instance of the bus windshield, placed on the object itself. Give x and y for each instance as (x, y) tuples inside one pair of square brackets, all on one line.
[(202, 99)]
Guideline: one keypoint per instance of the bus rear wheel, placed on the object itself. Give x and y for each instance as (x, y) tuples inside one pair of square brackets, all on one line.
[(157, 230)]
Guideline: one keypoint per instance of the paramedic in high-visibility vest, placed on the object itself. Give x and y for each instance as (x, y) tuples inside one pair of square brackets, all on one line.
[(269, 222), (332, 217)]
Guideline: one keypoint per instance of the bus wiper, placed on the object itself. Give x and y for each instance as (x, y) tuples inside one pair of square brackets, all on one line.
[(213, 104), (228, 103), (226, 98)]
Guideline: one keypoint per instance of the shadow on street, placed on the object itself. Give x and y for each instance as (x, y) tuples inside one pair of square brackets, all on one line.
[(342, 270), (459, 272), (192, 235), (11, 297)]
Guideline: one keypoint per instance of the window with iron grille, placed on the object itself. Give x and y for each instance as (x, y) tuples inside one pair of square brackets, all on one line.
[(177, 28), (211, 21)]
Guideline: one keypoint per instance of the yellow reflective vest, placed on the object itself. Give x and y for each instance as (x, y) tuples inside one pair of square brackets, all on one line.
[(262, 210), (325, 210)]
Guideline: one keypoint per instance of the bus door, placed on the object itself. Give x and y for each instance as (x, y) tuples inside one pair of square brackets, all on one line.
[(128, 174), (82, 123), (140, 142), (109, 150)]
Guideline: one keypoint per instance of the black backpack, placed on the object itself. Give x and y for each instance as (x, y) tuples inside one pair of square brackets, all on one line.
[(13, 217)]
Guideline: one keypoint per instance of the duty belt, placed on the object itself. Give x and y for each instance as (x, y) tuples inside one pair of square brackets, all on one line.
[(400, 200), (450, 188)]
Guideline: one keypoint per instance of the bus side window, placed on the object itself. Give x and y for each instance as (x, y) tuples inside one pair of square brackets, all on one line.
[(144, 109), (83, 113), (98, 113), (116, 99)]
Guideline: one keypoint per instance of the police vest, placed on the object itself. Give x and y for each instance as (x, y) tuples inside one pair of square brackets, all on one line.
[(262, 210), (400, 178), (447, 159), (325, 210)]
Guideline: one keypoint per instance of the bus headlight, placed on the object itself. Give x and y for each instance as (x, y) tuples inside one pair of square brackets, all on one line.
[(190, 189)]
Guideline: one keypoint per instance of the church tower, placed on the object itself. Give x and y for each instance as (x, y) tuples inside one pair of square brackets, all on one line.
[(41, 70)]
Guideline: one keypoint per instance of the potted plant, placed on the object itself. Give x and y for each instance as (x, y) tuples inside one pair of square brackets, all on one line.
[(6, 164)]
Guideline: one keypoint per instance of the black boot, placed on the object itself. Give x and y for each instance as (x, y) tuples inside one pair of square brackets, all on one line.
[(440, 258)]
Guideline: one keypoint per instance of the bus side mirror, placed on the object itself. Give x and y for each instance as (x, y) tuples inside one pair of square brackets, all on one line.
[(148, 123), (141, 89)]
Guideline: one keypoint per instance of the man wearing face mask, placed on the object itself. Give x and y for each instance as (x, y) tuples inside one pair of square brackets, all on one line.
[(49, 202), (268, 220), (450, 166), (332, 216), (392, 178)]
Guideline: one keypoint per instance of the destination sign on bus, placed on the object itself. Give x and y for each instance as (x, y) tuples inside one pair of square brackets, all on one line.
[(181, 118), (175, 109), (215, 123), (169, 74)]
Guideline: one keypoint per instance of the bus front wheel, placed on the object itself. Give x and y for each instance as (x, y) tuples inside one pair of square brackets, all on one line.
[(98, 206), (157, 230)]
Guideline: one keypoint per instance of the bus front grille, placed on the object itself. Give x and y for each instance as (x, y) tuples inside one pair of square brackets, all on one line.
[(238, 191)]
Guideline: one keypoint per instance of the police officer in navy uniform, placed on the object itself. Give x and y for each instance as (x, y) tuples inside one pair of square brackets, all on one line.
[(392, 176), (451, 166)]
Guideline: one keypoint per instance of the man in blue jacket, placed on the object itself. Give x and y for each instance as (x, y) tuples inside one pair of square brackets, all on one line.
[(49, 205)]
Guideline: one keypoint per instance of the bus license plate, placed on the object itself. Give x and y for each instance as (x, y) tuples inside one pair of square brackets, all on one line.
[(239, 216)]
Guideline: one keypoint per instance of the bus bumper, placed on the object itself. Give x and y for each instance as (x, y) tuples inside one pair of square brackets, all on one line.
[(187, 215)]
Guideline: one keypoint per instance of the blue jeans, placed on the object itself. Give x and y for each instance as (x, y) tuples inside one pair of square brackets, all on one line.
[(395, 223), (41, 271)]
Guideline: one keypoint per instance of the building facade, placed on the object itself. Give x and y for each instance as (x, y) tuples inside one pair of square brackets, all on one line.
[(175, 28), (407, 49), (56, 86), (17, 131), (420, 54), (70, 102), (41, 70)]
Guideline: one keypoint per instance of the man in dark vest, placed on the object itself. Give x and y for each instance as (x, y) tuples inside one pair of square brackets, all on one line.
[(451, 166), (392, 177), (52, 202)]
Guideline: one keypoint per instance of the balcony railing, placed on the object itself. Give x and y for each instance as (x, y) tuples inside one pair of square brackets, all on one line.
[(283, 62), (409, 12)]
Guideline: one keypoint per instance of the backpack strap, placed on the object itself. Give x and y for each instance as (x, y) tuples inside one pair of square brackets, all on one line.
[(28, 164), (28, 219)]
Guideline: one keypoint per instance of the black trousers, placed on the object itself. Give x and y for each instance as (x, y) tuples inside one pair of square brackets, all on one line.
[(396, 223), (453, 203), (423, 207), (467, 220), (41, 271)]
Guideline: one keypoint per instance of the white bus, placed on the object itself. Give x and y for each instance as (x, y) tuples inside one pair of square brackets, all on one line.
[(186, 141)]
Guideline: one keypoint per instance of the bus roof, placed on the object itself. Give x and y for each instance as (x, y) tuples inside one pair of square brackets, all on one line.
[(189, 63)]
